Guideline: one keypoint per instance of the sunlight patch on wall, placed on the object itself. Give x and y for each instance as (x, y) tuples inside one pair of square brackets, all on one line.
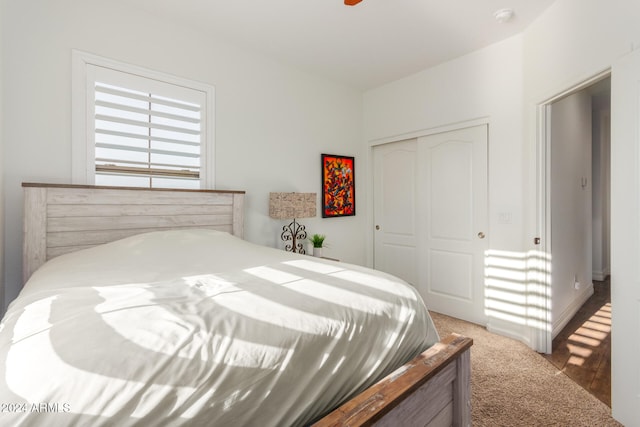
[(517, 288)]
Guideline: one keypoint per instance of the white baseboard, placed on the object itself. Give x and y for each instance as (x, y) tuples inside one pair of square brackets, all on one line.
[(600, 275), (569, 312)]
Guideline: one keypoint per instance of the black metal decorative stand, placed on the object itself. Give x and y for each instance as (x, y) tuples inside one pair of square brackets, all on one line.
[(292, 236)]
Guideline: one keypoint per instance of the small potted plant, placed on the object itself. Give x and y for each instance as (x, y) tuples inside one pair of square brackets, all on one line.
[(317, 240)]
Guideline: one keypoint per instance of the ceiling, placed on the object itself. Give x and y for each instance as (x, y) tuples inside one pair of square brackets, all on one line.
[(364, 46)]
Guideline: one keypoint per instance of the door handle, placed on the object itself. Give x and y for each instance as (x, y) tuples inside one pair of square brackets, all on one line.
[(481, 235), (377, 227)]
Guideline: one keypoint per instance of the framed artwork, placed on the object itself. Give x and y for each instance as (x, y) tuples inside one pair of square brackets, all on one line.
[(338, 186)]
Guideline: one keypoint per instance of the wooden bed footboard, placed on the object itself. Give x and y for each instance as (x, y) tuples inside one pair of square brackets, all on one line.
[(434, 389)]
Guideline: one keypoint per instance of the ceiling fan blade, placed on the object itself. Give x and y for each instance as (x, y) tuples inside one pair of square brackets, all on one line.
[(351, 2)]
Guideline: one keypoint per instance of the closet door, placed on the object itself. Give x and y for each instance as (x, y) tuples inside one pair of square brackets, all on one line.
[(395, 209), (453, 204), (430, 215)]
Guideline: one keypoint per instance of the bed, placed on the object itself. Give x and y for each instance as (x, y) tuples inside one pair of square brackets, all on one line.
[(146, 307)]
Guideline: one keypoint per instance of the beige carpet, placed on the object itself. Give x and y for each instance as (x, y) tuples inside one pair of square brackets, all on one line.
[(511, 385)]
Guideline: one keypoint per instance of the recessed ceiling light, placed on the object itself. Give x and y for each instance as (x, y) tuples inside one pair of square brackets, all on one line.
[(503, 15)]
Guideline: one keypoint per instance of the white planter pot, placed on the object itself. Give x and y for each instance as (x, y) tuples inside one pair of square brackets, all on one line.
[(317, 252)]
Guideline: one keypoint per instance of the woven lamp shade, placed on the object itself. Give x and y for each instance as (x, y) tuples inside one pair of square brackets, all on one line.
[(292, 205)]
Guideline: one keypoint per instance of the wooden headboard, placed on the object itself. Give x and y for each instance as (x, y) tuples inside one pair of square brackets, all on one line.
[(64, 218)]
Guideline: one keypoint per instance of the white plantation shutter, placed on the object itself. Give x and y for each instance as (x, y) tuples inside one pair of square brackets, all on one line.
[(145, 130)]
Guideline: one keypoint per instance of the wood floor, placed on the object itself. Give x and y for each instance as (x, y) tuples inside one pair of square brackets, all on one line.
[(583, 349)]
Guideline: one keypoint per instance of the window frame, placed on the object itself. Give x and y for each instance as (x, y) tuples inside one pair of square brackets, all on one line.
[(83, 127)]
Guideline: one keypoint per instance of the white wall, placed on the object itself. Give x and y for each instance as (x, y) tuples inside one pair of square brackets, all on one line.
[(601, 209), (272, 121), (571, 218)]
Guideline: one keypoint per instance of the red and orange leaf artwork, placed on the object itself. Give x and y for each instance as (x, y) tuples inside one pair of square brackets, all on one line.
[(338, 186)]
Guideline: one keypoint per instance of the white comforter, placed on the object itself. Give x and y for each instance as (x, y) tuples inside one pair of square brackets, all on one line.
[(200, 328)]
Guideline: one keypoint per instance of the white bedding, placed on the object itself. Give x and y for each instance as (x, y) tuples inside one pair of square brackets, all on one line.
[(200, 328)]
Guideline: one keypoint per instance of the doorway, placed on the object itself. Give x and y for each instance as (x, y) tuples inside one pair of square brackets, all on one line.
[(578, 147), (579, 194)]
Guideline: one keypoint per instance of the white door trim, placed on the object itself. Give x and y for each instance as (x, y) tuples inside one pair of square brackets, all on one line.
[(541, 338), (625, 238), (430, 131)]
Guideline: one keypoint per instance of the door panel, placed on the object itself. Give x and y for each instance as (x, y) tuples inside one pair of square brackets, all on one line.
[(451, 190), (453, 202), (451, 275), (395, 210)]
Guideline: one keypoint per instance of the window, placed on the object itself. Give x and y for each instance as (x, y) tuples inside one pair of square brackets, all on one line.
[(135, 127)]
